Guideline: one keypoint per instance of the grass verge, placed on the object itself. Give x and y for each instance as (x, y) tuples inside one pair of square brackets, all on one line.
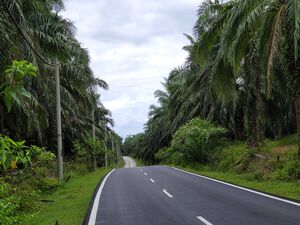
[(70, 201), (282, 188)]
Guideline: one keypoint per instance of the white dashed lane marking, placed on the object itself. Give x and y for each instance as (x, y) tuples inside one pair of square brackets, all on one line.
[(167, 193), (204, 220)]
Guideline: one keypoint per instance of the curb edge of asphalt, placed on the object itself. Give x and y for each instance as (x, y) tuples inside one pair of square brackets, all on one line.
[(241, 187), (91, 204)]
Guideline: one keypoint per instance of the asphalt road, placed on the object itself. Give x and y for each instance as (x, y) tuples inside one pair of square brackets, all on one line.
[(129, 162), (160, 195)]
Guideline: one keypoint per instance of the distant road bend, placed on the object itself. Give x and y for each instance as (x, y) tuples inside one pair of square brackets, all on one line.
[(129, 162), (160, 195)]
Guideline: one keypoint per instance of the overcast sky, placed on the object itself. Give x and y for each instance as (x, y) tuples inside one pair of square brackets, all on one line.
[(133, 45)]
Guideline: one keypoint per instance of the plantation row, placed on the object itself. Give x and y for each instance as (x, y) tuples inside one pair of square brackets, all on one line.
[(239, 84), (34, 40)]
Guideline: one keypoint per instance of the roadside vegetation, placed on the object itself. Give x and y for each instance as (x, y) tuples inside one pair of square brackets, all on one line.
[(34, 36), (232, 109), (69, 204), (30, 190), (272, 168), (287, 189)]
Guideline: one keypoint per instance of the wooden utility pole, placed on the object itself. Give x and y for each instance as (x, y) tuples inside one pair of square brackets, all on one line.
[(58, 120), (57, 84), (105, 144), (112, 143), (94, 138), (118, 154)]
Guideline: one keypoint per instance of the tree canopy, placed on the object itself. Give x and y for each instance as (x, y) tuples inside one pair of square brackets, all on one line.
[(36, 32), (242, 73)]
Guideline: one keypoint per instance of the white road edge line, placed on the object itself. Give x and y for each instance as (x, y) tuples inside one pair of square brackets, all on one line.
[(167, 193), (93, 214), (145, 174), (152, 180), (204, 220), (242, 188)]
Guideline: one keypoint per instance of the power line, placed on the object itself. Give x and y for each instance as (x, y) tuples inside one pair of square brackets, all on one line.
[(24, 36), (57, 84)]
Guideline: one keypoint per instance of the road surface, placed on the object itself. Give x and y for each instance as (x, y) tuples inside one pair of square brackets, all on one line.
[(160, 195), (129, 162)]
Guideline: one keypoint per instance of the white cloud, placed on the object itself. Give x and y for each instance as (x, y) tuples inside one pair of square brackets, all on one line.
[(133, 45)]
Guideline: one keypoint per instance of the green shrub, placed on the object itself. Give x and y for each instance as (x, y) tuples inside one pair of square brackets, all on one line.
[(48, 184), (85, 152), (12, 88), (15, 154), (178, 158), (8, 206), (25, 173), (168, 156), (230, 156), (197, 140), (87, 148), (38, 178), (164, 155), (16, 204), (75, 167), (290, 171), (41, 156)]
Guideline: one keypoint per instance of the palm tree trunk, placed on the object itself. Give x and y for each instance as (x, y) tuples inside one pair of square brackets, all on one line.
[(297, 100), (254, 106), (297, 107), (259, 109), (90, 160), (250, 121)]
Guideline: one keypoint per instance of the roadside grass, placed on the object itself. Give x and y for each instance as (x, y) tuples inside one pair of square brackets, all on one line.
[(284, 141), (276, 169), (282, 188), (70, 201)]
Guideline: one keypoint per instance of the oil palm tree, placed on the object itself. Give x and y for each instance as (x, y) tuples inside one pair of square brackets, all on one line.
[(274, 26), (33, 30), (237, 28)]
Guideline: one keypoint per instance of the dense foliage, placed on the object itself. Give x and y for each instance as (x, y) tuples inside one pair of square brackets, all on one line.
[(16, 155), (25, 174), (36, 32), (133, 145), (242, 73), (35, 40), (12, 86), (93, 153), (195, 141)]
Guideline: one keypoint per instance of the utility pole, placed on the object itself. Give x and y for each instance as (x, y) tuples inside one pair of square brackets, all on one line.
[(112, 143), (58, 120), (105, 144), (57, 84), (106, 158), (118, 155), (94, 137)]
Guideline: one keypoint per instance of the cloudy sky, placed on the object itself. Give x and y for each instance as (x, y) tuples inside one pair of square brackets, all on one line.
[(133, 45)]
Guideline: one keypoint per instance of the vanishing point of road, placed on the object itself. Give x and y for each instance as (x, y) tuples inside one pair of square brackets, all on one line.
[(160, 195)]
